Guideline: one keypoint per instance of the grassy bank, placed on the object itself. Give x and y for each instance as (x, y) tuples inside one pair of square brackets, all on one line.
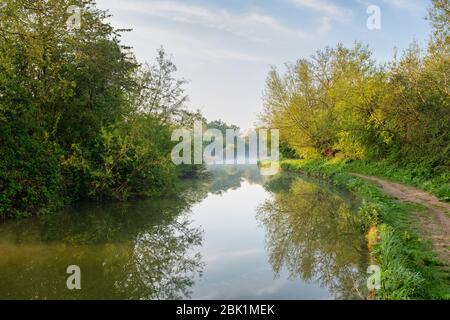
[(410, 270), (435, 181)]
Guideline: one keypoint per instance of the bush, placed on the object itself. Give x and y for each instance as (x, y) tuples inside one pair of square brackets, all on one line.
[(131, 160), (30, 179), (369, 215)]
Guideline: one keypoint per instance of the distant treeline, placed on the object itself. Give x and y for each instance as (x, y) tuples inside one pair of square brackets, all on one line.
[(341, 103)]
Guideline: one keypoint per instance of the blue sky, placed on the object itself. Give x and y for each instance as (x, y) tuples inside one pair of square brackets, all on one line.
[(225, 48)]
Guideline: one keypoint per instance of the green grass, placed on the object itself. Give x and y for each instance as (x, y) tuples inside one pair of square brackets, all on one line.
[(410, 270), (435, 181)]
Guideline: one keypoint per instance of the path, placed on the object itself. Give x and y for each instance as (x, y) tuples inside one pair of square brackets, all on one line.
[(436, 224)]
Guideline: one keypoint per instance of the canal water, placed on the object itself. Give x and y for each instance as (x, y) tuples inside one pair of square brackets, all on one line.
[(235, 235)]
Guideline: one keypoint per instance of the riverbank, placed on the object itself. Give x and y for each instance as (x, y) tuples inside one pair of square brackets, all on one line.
[(410, 268)]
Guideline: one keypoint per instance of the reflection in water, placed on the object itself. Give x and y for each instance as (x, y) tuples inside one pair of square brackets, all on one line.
[(313, 233), (146, 250), (161, 267), (230, 177), (203, 243)]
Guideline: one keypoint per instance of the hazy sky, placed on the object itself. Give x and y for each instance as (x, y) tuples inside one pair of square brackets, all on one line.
[(225, 47)]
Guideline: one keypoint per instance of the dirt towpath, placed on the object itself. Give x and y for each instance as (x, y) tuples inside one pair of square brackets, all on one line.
[(435, 224)]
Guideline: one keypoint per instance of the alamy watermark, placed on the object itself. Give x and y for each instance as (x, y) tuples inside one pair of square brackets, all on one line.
[(374, 280), (227, 148), (74, 280), (73, 22), (374, 20)]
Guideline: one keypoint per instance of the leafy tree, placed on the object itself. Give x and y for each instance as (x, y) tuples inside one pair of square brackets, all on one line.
[(161, 93), (79, 117), (341, 103)]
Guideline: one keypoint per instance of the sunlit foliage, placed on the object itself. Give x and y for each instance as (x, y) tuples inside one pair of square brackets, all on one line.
[(341, 103)]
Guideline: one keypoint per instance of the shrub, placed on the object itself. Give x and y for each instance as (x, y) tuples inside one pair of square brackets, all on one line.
[(30, 179)]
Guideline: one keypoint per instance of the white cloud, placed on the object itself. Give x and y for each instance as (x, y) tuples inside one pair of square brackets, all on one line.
[(253, 26), (187, 46), (325, 7), (325, 25), (328, 13), (403, 4)]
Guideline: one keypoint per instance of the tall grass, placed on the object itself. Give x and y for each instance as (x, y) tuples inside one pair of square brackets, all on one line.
[(398, 281)]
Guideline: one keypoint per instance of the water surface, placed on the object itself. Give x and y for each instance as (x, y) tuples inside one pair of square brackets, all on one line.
[(236, 235)]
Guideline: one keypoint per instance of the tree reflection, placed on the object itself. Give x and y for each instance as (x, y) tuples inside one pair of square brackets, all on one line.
[(163, 263), (313, 233), (230, 177), (137, 250), (142, 250)]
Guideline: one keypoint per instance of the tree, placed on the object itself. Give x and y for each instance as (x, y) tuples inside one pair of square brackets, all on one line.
[(79, 117), (161, 93)]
